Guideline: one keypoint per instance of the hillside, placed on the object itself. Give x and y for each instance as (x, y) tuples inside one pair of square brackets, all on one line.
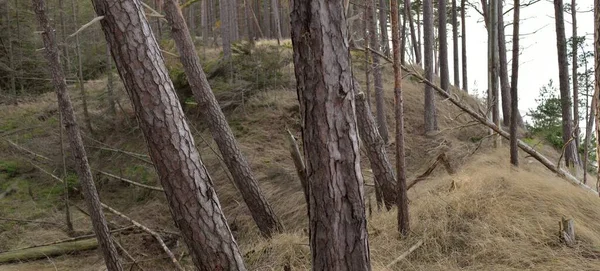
[(494, 217)]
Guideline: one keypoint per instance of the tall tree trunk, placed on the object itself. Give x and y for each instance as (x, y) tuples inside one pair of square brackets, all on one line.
[(463, 21), (204, 22), (430, 111), (403, 40), (588, 135), (597, 76), (63, 33), (383, 26), (249, 26), (338, 225), (211, 111), (571, 156), (82, 167), (11, 64), (86, 113), (419, 36), (109, 84), (225, 36), (402, 197), (188, 187), (377, 76), (233, 20), (574, 79), (367, 22), (504, 84), (514, 150), (192, 19), (455, 45), (157, 7), (443, 39), (267, 19), (493, 95), (277, 22), (413, 34)]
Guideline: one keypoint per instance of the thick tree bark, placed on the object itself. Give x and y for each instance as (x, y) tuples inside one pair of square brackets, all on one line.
[(338, 232), (574, 79), (377, 76), (383, 26), (430, 111), (402, 196), (188, 187), (443, 39), (111, 257), (571, 156), (455, 45), (514, 151), (463, 21), (86, 113), (413, 33), (261, 210), (276, 20), (385, 181)]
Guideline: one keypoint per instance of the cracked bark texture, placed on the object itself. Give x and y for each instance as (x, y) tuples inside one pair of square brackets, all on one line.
[(188, 187), (261, 210), (338, 233), (376, 68), (385, 181), (109, 252)]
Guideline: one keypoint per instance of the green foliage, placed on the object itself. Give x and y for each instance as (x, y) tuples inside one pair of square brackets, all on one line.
[(10, 168), (546, 117)]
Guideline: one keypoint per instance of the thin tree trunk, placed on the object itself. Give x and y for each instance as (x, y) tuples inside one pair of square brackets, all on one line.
[(402, 197), (237, 164), (367, 17), (192, 19), (233, 20), (204, 24), (514, 151), (504, 84), (109, 84), (455, 45), (571, 156), (419, 36), (277, 22), (588, 136), (430, 111), (413, 34), (443, 39), (493, 93), (225, 37), (63, 33), (249, 27), (86, 113), (68, 221), (383, 28), (188, 187), (597, 76), (11, 64), (377, 76), (157, 5), (100, 227), (574, 66), (267, 19), (338, 225), (403, 40), (465, 82)]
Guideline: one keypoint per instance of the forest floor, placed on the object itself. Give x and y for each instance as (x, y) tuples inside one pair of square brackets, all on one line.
[(486, 216)]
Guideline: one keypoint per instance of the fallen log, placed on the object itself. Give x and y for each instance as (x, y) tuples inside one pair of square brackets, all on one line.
[(129, 181), (48, 251), (440, 159)]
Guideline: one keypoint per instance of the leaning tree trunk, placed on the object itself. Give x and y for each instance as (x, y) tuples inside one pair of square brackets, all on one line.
[(377, 76), (402, 196), (465, 82), (188, 187), (237, 164), (571, 156), (574, 66), (111, 257), (430, 111), (455, 44), (338, 226), (443, 39), (514, 149)]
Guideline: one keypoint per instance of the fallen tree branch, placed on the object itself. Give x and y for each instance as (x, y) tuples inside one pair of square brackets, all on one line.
[(83, 27), (298, 163), (47, 251), (129, 181), (29, 221), (405, 254), (138, 156), (21, 148), (440, 159)]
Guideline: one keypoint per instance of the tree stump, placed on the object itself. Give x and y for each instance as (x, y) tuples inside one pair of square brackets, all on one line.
[(567, 231)]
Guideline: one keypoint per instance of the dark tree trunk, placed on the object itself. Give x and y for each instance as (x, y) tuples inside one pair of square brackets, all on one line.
[(188, 188), (383, 27), (402, 197), (111, 257), (338, 226), (514, 150), (571, 156), (575, 80), (465, 82), (413, 34), (430, 111), (377, 76), (455, 45), (237, 164), (442, 37)]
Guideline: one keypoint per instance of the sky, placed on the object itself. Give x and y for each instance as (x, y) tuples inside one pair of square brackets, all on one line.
[(538, 62)]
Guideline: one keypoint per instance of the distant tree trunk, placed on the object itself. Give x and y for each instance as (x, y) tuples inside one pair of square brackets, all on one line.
[(277, 21), (63, 34), (225, 36), (597, 75), (86, 113), (237, 164), (505, 86), (455, 45), (249, 27), (574, 67), (571, 156), (493, 95), (588, 136), (430, 111), (463, 21), (157, 5), (109, 84), (188, 187), (233, 20), (377, 76), (11, 64), (383, 26), (204, 22), (442, 36), (111, 257), (419, 36), (367, 22), (402, 197), (413, 34), (403, 40), (338, 225), (267, 19), (514, 150)]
